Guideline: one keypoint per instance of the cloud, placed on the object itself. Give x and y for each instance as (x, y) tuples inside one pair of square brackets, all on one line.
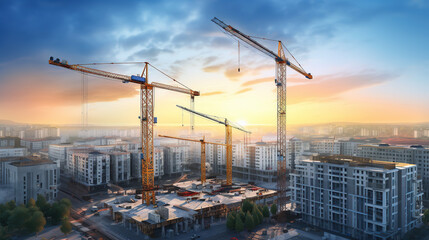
[(243, 90), (29, 90), (257, 81), (329, 87), (212, 93)]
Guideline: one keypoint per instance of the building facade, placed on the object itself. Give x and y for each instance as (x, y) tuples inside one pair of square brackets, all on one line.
[(406, 154), (90, 168), (120, 166), (358, 198), (29, 177), (175, 156)]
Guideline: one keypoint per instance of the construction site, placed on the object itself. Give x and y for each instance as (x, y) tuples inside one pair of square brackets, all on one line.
[(164, 211), (185, 206)]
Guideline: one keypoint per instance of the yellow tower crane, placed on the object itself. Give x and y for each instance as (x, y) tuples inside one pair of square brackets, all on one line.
[(147, 118), (228, 138), (203, 152), (281, 63)]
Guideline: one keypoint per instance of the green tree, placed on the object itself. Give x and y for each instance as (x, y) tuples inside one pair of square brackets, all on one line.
[(66, 226), (11, 205), (274, 209), (42, 204), (31, 203), (266, 211), (239, 225), (255, 218), (66, 202), (59, 211), (425, 217), (3, 233), (249, 222), (247, 206), (18, 218), (230, 222), (4, 214), (36, 223), (242, 215)]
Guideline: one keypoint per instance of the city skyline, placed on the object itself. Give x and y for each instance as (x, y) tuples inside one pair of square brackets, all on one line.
[(380, 83)]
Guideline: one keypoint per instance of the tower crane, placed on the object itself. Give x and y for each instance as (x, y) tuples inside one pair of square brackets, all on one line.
[(281, 63), (147, 118), (203, 152), (228, 138)]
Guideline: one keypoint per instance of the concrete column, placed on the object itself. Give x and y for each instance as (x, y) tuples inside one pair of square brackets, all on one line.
[(176, 228), (137, 229), (186, 225), (163, 232), (211, 220), (181, 227)]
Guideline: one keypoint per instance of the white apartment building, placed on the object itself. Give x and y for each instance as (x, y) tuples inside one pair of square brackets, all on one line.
[(9, 141), (12, 152), (158, 158), (120, 166), (29, 177), (175, 155), (90, 168), (407, 154), (325, 146), (34, 145), (358, 198)]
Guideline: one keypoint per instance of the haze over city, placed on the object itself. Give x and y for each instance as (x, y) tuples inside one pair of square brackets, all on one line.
[(215, 119)]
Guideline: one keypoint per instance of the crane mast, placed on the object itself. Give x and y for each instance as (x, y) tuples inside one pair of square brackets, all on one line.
[(147, 118), (228, 138), (281, 66)]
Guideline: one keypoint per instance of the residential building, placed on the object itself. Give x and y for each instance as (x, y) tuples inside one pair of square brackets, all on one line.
[(415, 154), (29, 177), (358, 198), (9, 142), (120, 166), (175, 155), (12, 152), (90, 168), (34, 145), (158, 157)]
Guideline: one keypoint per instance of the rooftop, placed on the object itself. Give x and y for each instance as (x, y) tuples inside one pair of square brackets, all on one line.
[(359, 162)]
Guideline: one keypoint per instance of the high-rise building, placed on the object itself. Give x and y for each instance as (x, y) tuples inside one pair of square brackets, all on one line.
[(120, 166), (175, 155), (29, 177), (415, 154), (358, 198), (90, 168), (12, 152)]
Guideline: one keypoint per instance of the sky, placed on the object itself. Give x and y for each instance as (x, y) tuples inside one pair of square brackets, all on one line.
[(369, 60)]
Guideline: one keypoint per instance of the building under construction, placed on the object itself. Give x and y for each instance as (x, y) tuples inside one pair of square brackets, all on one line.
[(185, 205)]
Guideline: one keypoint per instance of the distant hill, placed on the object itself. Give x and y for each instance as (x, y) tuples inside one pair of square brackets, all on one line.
[(9, 122)]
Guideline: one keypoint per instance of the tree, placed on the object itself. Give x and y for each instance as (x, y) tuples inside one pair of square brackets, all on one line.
[(255, 218), (42, 204), (66, 226), (274, 209), (3, 233), (247, 206), (31, 203), (425, 217), (11, 205), (36, 223), (266, 211), (249, 222), (239, 226), (230, 222), (242, 215), (58, 212), (18, 218)]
